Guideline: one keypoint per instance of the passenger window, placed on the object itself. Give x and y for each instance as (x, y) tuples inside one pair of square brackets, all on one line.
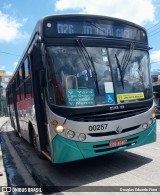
[(28, 88), (18, 95), (17, 80), (26, 68), (21, 75), (22, 91)]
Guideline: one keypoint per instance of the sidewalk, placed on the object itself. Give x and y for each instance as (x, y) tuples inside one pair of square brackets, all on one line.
[(3, 178)]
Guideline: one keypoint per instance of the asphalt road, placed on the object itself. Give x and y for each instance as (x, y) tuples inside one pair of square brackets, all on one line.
[(135, 167)]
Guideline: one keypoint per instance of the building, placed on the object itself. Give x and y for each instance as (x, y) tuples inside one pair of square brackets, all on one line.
[(4, 79)]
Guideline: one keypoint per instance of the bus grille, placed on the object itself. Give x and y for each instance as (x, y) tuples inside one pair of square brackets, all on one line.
[(105, 147), (113, 132), (103, 116)]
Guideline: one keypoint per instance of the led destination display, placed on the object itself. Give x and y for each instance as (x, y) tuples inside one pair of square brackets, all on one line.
[(107, 28)]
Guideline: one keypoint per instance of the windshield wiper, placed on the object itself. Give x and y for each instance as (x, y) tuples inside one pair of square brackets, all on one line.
[(125, 60), (90, 58), (92, 66), (84, 59), (120, 70), (127, 57)]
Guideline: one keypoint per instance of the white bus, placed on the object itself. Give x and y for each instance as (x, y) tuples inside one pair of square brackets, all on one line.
[(83, 88)]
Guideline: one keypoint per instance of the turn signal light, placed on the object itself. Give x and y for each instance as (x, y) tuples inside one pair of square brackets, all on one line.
[(55, 123)]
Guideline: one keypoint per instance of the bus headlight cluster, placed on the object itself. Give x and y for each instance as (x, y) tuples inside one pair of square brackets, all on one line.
[(59, 129), (82, 137), (71, 134), (146, 125)]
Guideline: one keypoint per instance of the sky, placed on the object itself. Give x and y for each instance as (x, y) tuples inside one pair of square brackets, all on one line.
[(19, 17)]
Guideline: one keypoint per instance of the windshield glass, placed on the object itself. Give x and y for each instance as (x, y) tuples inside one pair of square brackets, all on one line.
[(91, 76)]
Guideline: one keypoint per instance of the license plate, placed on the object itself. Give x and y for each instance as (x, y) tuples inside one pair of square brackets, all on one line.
[(117, 143)]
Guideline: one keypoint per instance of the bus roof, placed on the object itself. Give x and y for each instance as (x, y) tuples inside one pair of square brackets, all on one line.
[(91, 16), (38, 31)]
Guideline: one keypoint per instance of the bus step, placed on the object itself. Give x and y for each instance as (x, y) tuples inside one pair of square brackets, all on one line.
[(46, 154)]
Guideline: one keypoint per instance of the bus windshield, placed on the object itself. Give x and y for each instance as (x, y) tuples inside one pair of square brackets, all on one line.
[(90, 76)]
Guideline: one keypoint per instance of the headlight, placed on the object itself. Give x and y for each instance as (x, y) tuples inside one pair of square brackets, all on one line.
[(59, 129), (82, 137), (70, 134), (145, 126)]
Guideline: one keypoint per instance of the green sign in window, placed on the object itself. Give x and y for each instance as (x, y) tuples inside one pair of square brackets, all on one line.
[(80, 97)]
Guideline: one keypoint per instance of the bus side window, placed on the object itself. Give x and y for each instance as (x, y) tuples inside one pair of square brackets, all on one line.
[(18, 94), (21, 74), (28, 88), (27, 83), (22, 91), (17, 87), (17, 80), (26, 68)]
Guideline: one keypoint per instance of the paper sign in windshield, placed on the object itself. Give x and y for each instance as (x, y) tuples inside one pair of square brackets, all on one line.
[(130, 96), (80, 97)]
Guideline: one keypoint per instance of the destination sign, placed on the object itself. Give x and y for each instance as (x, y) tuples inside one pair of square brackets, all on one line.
[(80, 97), (107, 28)]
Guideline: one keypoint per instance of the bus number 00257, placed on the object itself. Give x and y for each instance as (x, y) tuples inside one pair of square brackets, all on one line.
[(97, 127)]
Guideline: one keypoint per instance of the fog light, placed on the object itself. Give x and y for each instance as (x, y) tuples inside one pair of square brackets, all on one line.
[(59, 129), (70, 134), (145, 125), (82, 137), (150, 121)]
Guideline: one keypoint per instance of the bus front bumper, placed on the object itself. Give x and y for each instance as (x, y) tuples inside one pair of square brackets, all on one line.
[(65, 150)]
